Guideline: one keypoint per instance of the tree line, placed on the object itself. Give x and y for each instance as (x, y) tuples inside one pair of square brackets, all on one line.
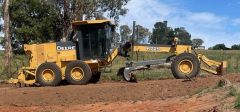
[(161, 34), (224, 47), (38, 21)]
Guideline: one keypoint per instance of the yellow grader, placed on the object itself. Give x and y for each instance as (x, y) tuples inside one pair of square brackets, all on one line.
[(88, 50)]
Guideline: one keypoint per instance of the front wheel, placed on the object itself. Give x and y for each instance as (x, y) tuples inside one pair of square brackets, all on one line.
[(48, 74), (185, 65)]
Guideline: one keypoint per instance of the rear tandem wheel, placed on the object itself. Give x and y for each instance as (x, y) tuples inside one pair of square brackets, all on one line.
[(95, 77), (78, 73)]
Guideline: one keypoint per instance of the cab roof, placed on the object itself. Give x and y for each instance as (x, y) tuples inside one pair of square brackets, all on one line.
[(76, 23)]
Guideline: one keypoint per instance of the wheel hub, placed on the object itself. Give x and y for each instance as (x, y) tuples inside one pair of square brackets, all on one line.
[(77, 73), (48, 75), (186, 66)]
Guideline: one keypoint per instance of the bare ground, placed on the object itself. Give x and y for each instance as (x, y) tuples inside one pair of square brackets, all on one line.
[(160, 95)]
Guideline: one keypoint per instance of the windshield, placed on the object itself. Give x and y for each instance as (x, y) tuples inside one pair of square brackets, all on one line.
[(94, 40)]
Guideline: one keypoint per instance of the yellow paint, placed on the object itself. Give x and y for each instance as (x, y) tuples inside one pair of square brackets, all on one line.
[(48, 75), (145, 48), (177, 49), (182, 49), (77, 73), (112, 55), (41, 53)]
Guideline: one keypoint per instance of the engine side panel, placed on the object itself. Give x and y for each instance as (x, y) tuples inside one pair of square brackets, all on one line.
[(51, 52)]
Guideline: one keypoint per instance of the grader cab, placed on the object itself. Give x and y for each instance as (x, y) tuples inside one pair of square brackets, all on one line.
[(88, 50)]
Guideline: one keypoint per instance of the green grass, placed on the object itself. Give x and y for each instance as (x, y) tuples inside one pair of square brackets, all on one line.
[(234, 91), (221, 83), (18, 62), (237, 102), (233, 58)]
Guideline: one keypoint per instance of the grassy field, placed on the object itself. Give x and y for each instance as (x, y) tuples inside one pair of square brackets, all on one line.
[(233, 58)]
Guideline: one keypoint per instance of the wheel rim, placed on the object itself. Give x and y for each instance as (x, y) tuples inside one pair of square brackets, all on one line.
[(185, 66), (77, 73), (48, 75)]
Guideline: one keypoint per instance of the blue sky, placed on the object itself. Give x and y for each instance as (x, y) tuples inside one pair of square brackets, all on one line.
[(215, 21)]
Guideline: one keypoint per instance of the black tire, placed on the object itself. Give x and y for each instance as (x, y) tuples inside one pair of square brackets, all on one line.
[(51, 68), (95, 77), (191, 60), (84, 69)]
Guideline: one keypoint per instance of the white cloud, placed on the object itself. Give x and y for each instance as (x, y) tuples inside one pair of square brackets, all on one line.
[(236, 21), (205, 18), (146, 12), (209, 26)]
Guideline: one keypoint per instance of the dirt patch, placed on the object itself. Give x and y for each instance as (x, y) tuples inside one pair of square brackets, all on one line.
[(209, 102), (118, 96), (214, 101)]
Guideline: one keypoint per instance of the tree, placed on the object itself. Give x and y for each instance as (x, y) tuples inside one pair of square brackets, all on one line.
[(116, 37), (1, 40), (235, 47), (7, 37), (38, 21), (92, 9), (197, 42), (34, 21), (162, 34), (219, 47), (142, 33), (125, 33), (183, 35)]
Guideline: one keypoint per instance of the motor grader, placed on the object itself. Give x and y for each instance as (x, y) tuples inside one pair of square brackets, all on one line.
[(88, 50)]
